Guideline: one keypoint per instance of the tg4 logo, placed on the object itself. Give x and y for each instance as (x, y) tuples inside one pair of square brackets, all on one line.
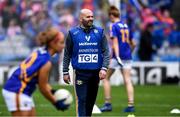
[(87, 58)]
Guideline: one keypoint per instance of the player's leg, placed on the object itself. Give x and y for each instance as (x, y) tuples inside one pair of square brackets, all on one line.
[(18, 104), (21, 113), (107, 86), (33, 112), (24, 105), (129, 87), (81, 92), (93, 85), (107, 91)]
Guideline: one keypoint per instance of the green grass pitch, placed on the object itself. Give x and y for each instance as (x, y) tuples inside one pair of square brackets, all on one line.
[(150, 100)]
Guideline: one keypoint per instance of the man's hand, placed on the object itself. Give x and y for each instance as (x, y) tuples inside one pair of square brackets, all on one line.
[(119, 61), (102, 74), (66, 79)]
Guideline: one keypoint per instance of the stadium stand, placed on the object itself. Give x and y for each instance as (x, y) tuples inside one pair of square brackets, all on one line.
[(21, 20)]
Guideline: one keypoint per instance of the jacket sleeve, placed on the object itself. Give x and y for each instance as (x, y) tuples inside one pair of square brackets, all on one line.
[(105, 52), (67, 54)]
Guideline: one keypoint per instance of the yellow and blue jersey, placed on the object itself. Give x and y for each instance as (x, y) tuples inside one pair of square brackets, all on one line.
[(121, 31), (25, 77)]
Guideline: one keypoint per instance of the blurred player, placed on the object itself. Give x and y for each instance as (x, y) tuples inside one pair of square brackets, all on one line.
[(17, 91), (122, 47)]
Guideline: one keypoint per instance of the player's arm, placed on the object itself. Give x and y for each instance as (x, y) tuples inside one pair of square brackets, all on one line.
[(114, 38), (67, 53), (116, 46), (43, 84), (46, 89), (106, 57), (66, 60), (132, 44), (116, 50), (105, 52), (131, 41)]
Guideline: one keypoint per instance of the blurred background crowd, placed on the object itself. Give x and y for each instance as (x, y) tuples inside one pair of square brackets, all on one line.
[(154, 29)]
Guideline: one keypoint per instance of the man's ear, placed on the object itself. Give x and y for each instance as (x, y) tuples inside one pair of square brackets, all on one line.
[(80, 18)]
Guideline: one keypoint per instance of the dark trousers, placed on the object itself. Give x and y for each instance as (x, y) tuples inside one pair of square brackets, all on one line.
[(86, 86)]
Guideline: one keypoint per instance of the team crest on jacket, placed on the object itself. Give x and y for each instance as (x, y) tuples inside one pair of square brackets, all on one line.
[(87, 38), (79, 82), (95, 31)]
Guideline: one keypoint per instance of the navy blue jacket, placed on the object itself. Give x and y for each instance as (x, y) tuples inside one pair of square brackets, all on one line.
[(86, 49)]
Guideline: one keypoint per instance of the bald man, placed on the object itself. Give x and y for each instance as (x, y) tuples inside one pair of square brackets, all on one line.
[(87, 50)]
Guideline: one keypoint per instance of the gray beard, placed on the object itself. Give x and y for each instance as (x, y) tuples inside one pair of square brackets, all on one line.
[(85, 25)]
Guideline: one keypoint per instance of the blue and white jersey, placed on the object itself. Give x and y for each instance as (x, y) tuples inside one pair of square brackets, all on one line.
[(25, 77), (87, 48), (121, 31)]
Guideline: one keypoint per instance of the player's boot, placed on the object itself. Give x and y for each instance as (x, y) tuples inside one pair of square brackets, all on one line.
[(106, 107), (129, 109)]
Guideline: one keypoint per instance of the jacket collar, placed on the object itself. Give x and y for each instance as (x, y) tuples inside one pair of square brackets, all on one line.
[(87, 30)]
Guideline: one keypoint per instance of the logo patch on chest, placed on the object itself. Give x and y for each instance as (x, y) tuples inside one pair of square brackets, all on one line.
[(79, 82), (87, 38), (87, 58)]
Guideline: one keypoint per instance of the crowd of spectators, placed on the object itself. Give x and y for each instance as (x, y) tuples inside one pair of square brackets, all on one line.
[(21, 20), (154, 29)]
